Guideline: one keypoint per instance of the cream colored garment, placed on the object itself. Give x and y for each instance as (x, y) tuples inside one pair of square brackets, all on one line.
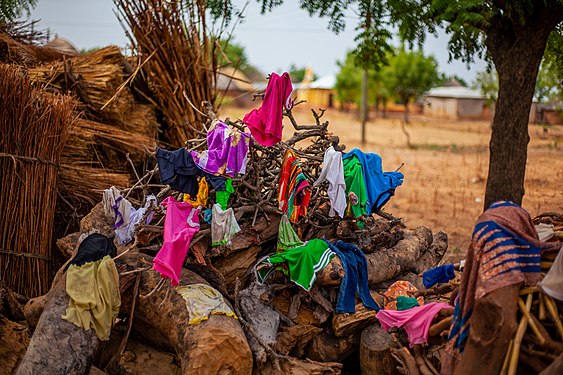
[(202, 301), (93, 289), (552, 283), (123, 206), (333, 172)]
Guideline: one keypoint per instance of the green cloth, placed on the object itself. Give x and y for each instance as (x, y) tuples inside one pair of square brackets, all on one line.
[(287, 238), (302, 261), (355, 187), (405, 303), (222, 197)]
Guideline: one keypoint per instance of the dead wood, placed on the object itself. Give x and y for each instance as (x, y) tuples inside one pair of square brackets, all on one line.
[(294, 339), (346, 324), (326, 347), (375, 352)]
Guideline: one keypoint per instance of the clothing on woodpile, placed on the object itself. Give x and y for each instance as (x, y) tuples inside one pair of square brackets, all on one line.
[(202, 301), (294, 191), (436, 275), (332, 171)]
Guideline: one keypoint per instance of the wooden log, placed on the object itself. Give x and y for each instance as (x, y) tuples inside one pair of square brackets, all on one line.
[(58, 346), (331, 274), (263, 319), (493, 324), (294, 366), (236, 265), (263, 231), (329, 348), (375, 352), (434, 254), (442, 325), (14, 332), (305, 314), (346, 324), (294, 339)]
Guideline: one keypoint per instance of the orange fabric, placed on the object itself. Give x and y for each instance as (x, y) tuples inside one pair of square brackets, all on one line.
[(400, 288)]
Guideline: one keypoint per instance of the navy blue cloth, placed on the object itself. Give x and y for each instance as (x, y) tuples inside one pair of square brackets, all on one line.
[(178, 169), (440, 274), (380, 186), (93, 248), (355, 280)]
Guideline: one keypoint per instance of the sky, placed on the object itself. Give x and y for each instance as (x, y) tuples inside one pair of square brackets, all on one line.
[(273, 41)]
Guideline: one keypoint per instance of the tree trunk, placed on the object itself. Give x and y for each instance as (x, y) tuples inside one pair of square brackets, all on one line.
[(516, 51)]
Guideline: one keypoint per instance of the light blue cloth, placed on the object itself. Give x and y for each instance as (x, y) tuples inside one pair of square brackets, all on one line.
[(380, 185)]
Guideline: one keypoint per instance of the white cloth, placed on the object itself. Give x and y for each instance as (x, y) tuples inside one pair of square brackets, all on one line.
[(224, 225), (124, 207), (552, 283), (125, 232), (333, 172), (545, 231)]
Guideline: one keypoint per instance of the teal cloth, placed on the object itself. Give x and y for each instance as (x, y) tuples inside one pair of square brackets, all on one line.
[(405, 303), (302, 261)]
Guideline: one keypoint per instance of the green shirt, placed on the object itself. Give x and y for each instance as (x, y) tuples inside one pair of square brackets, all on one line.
[(355, 187), (302, 261)]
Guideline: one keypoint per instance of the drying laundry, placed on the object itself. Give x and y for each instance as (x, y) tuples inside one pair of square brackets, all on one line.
[(180, 225), (116, 206), (224, 226), (178, 169), (287, 238), (303, 262), (355, 187), (294, 192), (505, 250), (415, 321), (380, 185), (202, 301), (227, 151), (545, 231), (94, 298), (126, 232), (202, 194), (333, 172), (222, 196), (401, 288), (440, 274), (355, 278), (265, 123), (405, 303), (93, 248), (552, 283)]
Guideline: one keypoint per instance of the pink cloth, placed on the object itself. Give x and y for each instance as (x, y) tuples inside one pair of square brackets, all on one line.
[(180, 225), (416, 321), (265, 123)]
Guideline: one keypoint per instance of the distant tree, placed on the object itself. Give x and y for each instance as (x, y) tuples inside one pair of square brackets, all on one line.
[(234, 54), (409, 75), (298, 73), (486, 82), (10, 10), (549, 84), (349, 81)]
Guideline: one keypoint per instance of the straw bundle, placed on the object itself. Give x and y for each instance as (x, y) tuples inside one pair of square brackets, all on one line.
[(35, 126), (182, 69), (15, 52), (93, 78)]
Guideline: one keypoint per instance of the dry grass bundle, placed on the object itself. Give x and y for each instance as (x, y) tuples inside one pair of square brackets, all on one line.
[(35, 126), (93, 77), (182, 70), (15, 52)]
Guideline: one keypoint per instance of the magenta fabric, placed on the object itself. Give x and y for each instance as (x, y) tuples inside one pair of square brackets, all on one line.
[(180, 225), (416, 321), (227, 151), (265, 123)]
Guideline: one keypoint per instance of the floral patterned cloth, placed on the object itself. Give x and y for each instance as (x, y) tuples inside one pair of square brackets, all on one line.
[(227, 151), (400, 288)]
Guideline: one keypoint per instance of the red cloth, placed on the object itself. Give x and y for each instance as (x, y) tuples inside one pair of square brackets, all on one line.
[(265, 123)]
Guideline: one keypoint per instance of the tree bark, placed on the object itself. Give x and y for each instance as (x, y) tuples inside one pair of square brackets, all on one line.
[(375, 352), (516, 51)]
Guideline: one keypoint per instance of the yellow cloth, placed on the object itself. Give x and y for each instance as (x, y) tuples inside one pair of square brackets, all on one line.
[(202, 301), (93, 289), (202, 194)]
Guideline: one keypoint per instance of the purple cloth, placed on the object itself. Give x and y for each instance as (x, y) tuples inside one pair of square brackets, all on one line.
[(227, 151), (265, 123)]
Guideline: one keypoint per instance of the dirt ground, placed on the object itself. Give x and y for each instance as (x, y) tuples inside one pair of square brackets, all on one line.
[(445, 174)]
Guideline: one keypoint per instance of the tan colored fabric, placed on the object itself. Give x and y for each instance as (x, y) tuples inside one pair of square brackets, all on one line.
[(93, 289), (552, 283), (202, 301)]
